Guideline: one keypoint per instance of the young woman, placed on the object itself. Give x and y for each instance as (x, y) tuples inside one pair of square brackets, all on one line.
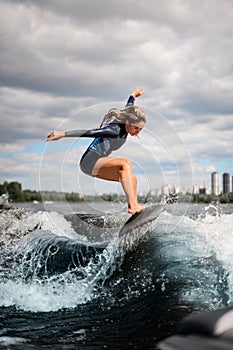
[(111, 135)]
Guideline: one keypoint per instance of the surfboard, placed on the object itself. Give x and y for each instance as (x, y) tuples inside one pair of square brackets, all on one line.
[(142, 217)]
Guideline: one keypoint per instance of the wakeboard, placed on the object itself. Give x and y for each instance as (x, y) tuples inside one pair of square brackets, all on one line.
[(142, 217)]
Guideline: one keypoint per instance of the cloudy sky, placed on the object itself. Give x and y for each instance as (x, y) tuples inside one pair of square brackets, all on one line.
[(63, 64)]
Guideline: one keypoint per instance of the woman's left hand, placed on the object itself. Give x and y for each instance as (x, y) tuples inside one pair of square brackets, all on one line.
[(55, 135)]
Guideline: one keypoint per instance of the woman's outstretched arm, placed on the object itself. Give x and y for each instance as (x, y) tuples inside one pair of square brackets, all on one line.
[(111, 131)]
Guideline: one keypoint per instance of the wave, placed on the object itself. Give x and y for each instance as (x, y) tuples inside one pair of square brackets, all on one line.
[(51, 261), (45, 249)]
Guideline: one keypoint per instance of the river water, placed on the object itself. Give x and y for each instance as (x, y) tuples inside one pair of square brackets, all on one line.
[(58, 292)]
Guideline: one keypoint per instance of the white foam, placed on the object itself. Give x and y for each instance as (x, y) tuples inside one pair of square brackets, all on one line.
[(7, 341), (57, 224), (195, 243), (15, 223), (51, 296), (218, 234)]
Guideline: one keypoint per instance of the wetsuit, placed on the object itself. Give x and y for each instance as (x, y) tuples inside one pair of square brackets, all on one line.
[(106, 139)]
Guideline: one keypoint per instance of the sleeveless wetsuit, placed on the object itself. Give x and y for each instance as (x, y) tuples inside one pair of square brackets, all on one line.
[(106, 139)]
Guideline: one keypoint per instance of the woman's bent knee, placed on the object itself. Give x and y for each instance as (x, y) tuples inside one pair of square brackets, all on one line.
[(126, 165)]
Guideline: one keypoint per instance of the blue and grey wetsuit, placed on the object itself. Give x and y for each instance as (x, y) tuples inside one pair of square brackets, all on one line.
[(106, 139)]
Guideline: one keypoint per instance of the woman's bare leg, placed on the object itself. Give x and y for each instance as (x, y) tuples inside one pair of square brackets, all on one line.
[(120, 170)]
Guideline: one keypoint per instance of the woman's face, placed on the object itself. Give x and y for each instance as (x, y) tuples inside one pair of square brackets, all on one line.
[(134, 129)]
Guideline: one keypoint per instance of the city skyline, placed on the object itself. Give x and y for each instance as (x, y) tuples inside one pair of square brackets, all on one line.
[(165, 189), (227, 183)]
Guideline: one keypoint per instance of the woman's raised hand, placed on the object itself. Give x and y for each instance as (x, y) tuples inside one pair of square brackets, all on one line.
[(55, 135), (138, 92)]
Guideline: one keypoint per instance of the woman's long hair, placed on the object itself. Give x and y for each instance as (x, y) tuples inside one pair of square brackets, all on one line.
[(132, 114)]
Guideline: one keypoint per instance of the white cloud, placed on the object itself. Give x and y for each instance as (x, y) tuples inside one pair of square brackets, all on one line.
[(11, 148), (63, 63)]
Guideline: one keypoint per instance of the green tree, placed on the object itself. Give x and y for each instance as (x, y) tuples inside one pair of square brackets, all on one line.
[(1, 189), (14, 189)]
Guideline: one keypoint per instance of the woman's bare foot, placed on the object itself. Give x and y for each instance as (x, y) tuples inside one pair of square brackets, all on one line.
[(133, 209)]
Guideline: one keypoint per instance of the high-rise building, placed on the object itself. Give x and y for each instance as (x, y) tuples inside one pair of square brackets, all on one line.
[(226, 183), (196, 189), (215, 183)]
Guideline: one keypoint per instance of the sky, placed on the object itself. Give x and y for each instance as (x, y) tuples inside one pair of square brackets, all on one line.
[(63, 64)]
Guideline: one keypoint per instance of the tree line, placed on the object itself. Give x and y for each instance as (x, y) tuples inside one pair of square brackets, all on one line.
[(209, 198), (16, 194)]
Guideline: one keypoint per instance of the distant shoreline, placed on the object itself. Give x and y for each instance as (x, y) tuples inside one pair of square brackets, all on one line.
[(17, 195)]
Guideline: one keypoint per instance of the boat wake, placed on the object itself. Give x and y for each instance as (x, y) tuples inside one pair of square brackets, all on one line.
[(50, 261), (44, 257)]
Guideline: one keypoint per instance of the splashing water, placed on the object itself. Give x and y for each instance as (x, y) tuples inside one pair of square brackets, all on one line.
[(216, 229), (187, 250), (63, 290)]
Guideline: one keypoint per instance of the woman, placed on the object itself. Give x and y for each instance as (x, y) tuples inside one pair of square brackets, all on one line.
[(111, 135)]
